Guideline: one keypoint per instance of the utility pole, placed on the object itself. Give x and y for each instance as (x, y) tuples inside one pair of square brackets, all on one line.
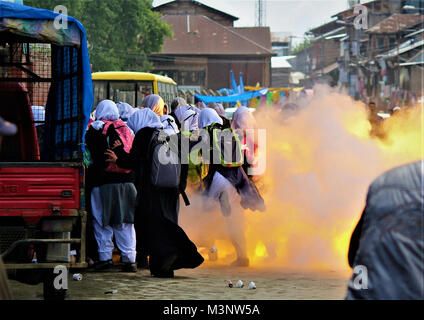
[(260, 13)]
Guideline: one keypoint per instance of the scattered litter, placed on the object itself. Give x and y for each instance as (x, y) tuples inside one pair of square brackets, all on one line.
[(239, 284), (111, 292), (77, 277), (229, 283), (252, 286)]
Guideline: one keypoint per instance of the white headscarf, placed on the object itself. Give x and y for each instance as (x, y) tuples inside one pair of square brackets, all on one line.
[(106, 110), (219, 108), (181, 102), (144, 118), (207, 117), (125, 110), (201, 105), (243, 119), (188, 118), (169, 125)]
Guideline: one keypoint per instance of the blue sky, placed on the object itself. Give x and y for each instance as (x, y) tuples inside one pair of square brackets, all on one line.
[(294, 16)]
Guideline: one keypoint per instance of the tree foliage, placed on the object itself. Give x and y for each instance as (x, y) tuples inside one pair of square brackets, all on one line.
[(121, 33), (302, 46)]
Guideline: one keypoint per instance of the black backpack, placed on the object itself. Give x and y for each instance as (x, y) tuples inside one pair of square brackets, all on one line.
[(166, 164)]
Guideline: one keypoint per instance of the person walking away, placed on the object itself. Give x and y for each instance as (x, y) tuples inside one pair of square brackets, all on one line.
[(6, 129), (113, 193), (226, 183), (157, 211)]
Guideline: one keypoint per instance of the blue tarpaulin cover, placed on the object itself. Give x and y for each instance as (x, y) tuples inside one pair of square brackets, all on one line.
[(17, 11), (233, 98)]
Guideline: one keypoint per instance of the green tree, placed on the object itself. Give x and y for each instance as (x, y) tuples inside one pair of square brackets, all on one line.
[(302, 46), (121, 33)]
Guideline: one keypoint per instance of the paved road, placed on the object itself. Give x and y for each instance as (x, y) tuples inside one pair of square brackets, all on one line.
[(204, 283)]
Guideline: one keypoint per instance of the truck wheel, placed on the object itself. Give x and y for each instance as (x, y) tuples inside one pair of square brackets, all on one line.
[(49, 291)]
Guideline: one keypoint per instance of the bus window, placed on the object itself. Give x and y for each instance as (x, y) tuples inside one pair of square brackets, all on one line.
[(100, 91), (175, 91), (122, 92), (162, 90), (144, 88), (170, 93)]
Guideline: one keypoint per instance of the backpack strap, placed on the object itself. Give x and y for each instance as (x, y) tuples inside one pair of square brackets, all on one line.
[(192, 115)]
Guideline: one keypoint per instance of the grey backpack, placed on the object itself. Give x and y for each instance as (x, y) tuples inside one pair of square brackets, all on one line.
[(166, 165)]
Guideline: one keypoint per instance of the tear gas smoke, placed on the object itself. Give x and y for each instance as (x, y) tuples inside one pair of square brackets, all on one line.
[(320, 163)]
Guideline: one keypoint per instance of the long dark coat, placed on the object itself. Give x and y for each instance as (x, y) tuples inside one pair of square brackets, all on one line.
[(156, 218)]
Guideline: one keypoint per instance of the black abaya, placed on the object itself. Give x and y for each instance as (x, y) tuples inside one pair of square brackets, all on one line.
[(156, 219)]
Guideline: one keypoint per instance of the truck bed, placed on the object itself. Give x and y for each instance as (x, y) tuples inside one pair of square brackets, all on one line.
[(34, 189)]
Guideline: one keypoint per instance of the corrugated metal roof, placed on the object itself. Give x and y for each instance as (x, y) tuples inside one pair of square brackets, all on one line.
[(418, 59), (396, 23), (404, 47), (200, 35), (280, 62)]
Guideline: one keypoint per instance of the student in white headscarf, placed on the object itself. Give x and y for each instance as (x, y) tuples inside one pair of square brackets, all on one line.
[(125, 111), (113, 193), (155, 103), (228, 185), (188, 119), (158, 233), (243, 119), (169, 125), (178, 102), (219, 108)]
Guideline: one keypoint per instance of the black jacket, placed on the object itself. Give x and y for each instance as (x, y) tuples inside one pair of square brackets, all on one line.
[(98, 144)]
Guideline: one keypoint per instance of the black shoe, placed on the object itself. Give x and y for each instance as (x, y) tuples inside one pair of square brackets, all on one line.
[(103, 265), (130, 267), (167, 274)]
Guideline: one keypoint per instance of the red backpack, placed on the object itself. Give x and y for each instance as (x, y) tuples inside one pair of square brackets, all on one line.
[(126, 138)]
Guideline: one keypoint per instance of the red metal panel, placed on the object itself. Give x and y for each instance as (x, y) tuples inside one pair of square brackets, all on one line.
[(34, 191)]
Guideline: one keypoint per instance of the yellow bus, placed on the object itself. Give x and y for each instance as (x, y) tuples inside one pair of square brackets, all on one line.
[(132, 87)]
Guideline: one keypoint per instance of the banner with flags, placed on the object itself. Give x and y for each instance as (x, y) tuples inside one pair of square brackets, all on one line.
[(246, 96)]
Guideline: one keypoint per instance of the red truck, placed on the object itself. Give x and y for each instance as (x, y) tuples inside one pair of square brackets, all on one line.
[(42, 173)]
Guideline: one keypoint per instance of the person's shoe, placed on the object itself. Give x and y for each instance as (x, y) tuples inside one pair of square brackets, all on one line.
[(130, 267), (241, 262), (103, 265), (162, 274), (224, 201)]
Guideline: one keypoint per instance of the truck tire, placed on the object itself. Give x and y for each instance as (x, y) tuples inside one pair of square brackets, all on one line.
[(49, 291)]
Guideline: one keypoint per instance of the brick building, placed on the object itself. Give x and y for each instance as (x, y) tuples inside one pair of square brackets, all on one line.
[(206, 47)]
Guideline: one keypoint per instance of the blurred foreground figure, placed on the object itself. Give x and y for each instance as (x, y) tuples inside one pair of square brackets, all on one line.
[(6, 129), (387, 247), (4, 286)]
